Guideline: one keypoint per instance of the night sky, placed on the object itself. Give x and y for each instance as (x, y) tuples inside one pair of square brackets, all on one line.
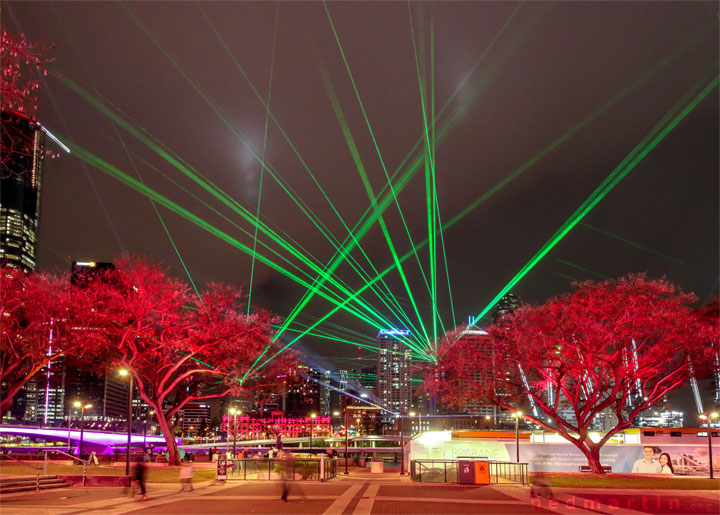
[(175, 69)]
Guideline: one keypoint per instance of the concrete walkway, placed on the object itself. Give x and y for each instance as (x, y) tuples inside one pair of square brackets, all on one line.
[(360, 493)]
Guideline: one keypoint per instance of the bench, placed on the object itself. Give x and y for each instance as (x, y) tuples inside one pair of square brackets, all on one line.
[(586, 468)]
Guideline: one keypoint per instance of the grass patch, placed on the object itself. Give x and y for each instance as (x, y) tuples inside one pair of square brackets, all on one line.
[(586, 480), (164, 474)]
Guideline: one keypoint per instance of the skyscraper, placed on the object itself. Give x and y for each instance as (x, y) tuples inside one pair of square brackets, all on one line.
[(394, 390), (20, 176)]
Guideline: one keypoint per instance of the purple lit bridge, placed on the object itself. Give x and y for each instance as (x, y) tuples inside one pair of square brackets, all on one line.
[(101, 442)]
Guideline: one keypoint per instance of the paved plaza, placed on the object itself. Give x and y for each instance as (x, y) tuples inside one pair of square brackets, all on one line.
[(359, 494)]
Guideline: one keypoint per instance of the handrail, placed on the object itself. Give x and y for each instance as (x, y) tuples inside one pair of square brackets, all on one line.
[(84, 463), (69, 456), (21, 462)]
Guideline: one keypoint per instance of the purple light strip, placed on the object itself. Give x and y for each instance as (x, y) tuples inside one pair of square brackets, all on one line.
[(94, 437)]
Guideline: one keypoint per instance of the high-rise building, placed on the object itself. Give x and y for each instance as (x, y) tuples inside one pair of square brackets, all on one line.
[(45, 396), (394, 385), (332, 397), (194, 418), (303, 392), (20, 176), (478, 342)]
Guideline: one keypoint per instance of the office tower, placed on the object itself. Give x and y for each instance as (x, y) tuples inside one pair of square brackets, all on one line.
[(20, 177), (478, 340), (45, 397), (394, 390), (194, 419), (303, 392)]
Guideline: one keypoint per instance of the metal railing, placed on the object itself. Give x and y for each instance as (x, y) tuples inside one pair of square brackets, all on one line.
[(433, 471), (446, 471), (508, 472), (84, 463), (288, 469), (21, 462)]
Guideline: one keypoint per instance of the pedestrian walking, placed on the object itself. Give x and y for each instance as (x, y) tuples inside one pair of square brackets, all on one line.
[(283, 456), (186, 475), (138, 478)]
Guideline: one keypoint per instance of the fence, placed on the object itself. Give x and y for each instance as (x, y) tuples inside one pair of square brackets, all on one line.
[(290, 469), (445, 471)]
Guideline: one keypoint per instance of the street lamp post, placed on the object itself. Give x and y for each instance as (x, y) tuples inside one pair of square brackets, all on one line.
[(346, 441), (411, 414), (335, 415), (124, 372), (82, 407), (234, 413), (402, 444), (312, 427), (517, 416), (69, 420), (707, 417)]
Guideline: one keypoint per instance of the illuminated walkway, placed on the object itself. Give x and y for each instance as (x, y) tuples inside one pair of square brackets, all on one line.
[(360, 494)]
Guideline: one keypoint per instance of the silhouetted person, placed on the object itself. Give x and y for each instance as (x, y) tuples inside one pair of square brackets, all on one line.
[(285, 466), (541, 486), (186, 474), (138, 476)]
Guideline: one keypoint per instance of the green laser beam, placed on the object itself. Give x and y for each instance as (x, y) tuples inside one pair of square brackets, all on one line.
[(574, 265), (568, 277), (370, 216), (264, 148), (127, 152), (636, 245), (372, 196), (656, 135), (165, 202)]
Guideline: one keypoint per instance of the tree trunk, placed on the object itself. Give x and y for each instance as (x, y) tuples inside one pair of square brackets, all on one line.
[(166, 428), (592, 453)]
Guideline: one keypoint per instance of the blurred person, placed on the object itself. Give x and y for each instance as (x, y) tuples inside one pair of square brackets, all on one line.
[(647, 465), (541, 486), (665, 465), (138, 479), (186, 475)]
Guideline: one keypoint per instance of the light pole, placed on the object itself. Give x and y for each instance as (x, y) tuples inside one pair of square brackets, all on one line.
[(346, 441), (335, 414), (312, 427), (517, 416), (411, 414), (82, 407), (707, 417), (69, 420), (402, 444), (234, 413), (124, 372)]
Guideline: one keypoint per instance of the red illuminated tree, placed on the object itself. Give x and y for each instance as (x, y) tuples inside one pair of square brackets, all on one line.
[(613, 348), (180, 347), (22, 63), (42, 320)]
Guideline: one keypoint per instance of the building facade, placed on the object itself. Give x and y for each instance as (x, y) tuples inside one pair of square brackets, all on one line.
[(393, 370), (20, 176)]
